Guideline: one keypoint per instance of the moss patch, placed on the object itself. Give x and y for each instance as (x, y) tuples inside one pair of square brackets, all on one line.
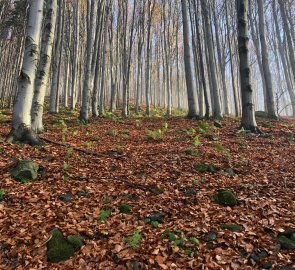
[(286, 243), (225, 197), (232, 227), (60, 248), (206, 168), (125, 208)]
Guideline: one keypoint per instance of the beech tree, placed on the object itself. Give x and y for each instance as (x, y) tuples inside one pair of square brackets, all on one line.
[(44, 67), (192, 112), (101, 57), (248, 120), (21, 121)]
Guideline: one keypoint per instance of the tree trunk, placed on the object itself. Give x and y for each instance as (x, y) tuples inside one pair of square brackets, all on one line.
[(270, 102), (44, 67), (216, 100), (191, 95), (248, 120), (21, 119), (87, 86)]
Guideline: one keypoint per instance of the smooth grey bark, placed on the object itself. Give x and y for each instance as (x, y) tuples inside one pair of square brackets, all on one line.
[(54, 95), (248, 120), (201, 60), (191, 95), (75, 67), (222, 64), (21, 119), (236, 105), (270, 102), (283, 59), (151, 5), (42, 78), (88, 80), (287, 31), (217, 114)]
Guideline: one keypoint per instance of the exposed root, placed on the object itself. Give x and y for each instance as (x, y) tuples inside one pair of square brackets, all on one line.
[(24, 135)]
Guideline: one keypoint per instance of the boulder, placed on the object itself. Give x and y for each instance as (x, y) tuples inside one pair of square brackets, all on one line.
[(156, 216), (217, 124), (211, 236), (82, 193), (205, 168), (25, 171), (229, 171), (286, 243), (60, 248), (261, 114), (76, 241), (225, 197), (67, 197)]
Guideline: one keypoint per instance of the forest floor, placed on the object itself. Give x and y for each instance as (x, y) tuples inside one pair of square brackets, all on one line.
[(144, 166)]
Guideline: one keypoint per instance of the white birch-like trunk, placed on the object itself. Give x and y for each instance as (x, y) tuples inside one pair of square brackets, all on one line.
[(88, 81), (44, 67), (270, 101), (21, 120), (74, 93), (191, 95), (54, 95)]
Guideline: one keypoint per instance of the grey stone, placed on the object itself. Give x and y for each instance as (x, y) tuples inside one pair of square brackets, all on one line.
[(25, 170)]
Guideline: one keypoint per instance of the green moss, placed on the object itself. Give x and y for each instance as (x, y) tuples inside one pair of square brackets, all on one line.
[(261, 114), (58, 248), (125, 208), (205, 168), (225, 197), (286, 243), (76, 241), (232, 227), (25, 169), (191, 152)]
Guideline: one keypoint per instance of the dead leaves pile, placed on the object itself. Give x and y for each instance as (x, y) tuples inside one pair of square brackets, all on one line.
[(150, 176)]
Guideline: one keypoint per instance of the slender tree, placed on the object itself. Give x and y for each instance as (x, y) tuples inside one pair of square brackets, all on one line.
[(270, 102), (44, 67), (21, 121), (191, 95), (248, 120)]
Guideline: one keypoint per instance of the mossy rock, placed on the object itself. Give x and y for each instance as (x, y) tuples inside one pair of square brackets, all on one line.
[(67, 197), (230, 171), (232, 227), (225, 197), (261, 114), (287, 267), (205, 168), (211, 236), (125, 208), (190, 192), (25, 171), (82, 193), (290, 233), (155, 217), (286, 243), (191, 152), (158, 190), (217, 124), (76, 241), (58, 248)]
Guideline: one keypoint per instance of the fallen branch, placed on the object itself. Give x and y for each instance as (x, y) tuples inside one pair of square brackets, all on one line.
[(80, 150)]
